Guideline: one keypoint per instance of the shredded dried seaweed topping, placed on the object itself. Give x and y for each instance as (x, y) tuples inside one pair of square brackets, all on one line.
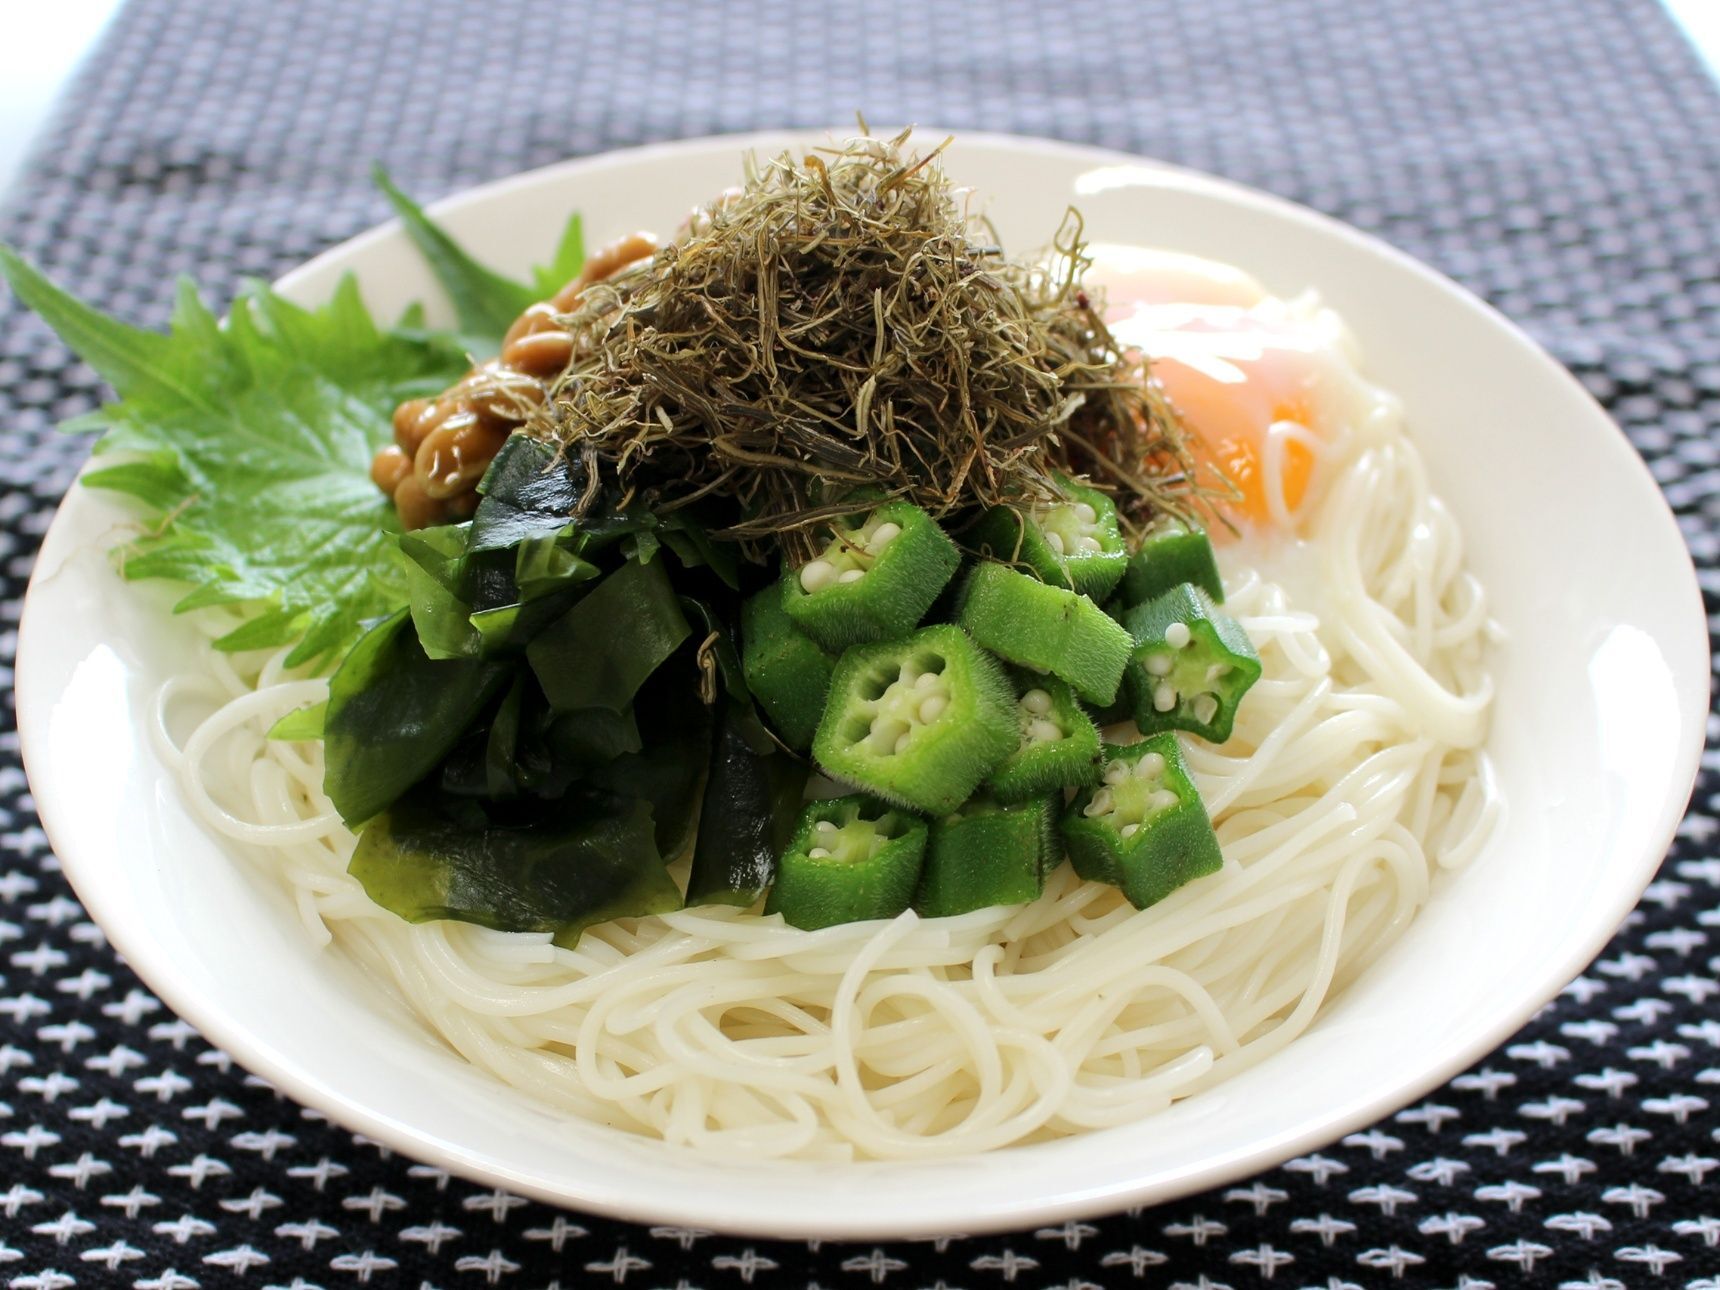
[(841, 325)]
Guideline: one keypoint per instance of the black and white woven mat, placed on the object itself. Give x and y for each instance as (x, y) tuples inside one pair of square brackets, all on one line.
[(1561, 158)]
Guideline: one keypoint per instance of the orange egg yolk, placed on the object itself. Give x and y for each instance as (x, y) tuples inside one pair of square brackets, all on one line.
[(1233, 375), (1237, 450)]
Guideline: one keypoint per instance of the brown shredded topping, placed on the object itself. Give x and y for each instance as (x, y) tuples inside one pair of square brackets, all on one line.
[(842, 325)]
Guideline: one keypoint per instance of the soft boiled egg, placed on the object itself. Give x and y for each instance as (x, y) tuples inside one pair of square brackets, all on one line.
[(1266, 386)]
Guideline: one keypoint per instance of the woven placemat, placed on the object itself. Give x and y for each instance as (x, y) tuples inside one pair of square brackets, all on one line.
[(1559, 158)]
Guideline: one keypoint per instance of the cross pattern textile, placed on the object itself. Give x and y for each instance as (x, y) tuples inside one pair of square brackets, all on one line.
[(1559, 158)]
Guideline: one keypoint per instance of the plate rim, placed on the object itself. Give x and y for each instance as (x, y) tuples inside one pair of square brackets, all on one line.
[(590, 1193)]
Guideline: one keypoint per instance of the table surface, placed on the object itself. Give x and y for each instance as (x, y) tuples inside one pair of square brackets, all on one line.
[(47, 44), (1557, 156)]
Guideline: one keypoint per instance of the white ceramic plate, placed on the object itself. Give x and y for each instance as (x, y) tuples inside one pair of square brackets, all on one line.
[(1603, 684)]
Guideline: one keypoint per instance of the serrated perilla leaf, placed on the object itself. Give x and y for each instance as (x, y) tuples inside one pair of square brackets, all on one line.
[(248, 444)]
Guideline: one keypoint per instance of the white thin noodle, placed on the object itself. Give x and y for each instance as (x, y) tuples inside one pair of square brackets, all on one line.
[(1354, 774)]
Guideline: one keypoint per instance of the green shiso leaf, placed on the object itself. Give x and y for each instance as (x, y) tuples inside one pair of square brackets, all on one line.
[(568, 260), (485, 302), (248, 443)]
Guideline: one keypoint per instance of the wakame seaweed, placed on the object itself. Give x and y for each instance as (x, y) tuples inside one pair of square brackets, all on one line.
[(394, 713), (599, 653), (589, 858), (751, 799), (550, 680)]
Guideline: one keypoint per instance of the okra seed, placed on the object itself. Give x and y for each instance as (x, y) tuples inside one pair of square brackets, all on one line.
[(907, 701), (1164, 699), (1043, 732), (818, 853), (885, 734), (1162, 800), (1116, 773), (1129, 830), (886, 534), (1217, 670), (817, 575), (1086, 514), (1087, 545), (1055, 542), (1100, 805), (825, 827), (1177, 635), (851, 575), (1150, 767), (1205, 708), (1159, 664), (1038, 702)]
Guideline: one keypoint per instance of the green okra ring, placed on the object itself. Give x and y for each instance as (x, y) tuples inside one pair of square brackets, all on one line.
[(873, 581), (851, 859), (918, 722), (989, 853), (1059, 744), (1170, 553), (1047, 629), (787, 671), (1074, 543), (1143, 828), (1191, 665)]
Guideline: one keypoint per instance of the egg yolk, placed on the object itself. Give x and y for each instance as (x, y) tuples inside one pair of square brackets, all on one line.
[(1252, 390), (1259, 388), (1235, 433)]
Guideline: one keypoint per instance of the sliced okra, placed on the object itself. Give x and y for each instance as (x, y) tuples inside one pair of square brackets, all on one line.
[(787, 671), (1047, 629), (1143, 828), (851, 859), (873, 581), (917, 722), (988, 853), (1191, 666), (1058, 745), (1171, 553), (1073, 542)]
